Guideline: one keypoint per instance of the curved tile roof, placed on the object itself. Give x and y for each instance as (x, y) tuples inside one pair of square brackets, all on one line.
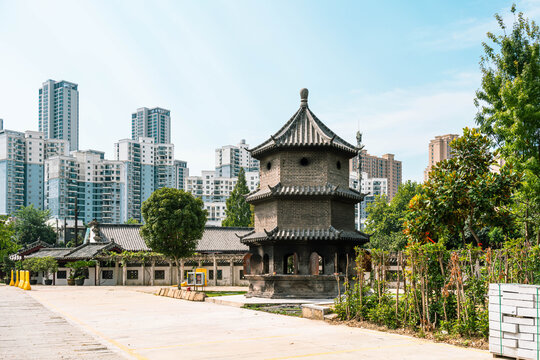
[(214, 239), (304, 129), (304, 234), (323, 190)]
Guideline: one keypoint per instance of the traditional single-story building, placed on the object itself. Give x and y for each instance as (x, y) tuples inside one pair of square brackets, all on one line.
[(123, 258)]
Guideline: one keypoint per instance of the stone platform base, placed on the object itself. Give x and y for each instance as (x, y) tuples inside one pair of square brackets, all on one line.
[(294, 286)]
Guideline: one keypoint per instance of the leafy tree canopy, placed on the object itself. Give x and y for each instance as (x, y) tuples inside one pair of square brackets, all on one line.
[(462, 194), (385, 219), (30, 226), (8, 245), (508, 104), (238, 210), (174, 223), (132, 221)]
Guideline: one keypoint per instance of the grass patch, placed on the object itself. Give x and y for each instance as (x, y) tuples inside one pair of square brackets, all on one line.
[(289, 310)]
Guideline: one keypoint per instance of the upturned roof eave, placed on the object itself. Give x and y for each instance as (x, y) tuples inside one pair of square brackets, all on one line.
[(297, 124)]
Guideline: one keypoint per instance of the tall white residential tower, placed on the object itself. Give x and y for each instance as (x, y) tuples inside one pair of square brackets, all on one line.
[(154, 123), (59, 111)]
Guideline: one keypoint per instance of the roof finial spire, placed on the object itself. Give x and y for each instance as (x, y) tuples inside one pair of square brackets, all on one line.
[(303, 97)]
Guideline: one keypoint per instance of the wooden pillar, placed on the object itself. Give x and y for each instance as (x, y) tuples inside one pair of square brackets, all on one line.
[(182, 271), (124, 274), (116, 272), (215, 270), (152, 272), (142, 270), (231, 265), (171, 271), (98, 271)]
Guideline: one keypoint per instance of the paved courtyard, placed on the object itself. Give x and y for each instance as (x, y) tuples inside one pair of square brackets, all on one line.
[(126, 322)]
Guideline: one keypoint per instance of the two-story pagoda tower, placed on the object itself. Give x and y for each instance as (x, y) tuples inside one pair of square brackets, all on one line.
[(304, 233)]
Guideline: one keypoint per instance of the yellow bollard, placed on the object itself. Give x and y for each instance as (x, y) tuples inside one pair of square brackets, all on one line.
[(26, 285), (11, 283), (21, 279)]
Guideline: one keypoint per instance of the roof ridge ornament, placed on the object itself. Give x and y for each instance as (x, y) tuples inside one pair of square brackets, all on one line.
[(303, 97)]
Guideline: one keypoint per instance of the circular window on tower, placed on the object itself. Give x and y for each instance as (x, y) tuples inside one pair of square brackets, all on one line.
[(268, 165), (304, 161), (338, 165)]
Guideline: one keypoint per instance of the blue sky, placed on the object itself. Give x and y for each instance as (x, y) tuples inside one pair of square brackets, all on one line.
[(399, 71)]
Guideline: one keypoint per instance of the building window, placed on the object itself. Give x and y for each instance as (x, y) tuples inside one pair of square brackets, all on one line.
[(210, 274), (107, 274), (159, 274), (133, 274), (61, 274), (220, 274)]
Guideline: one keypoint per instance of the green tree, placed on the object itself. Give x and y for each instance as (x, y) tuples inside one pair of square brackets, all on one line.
[(238, 210), (508, 106), (132, 221), (385, 219), (462, 194), (30, 225), (8, 244), (174, 223)]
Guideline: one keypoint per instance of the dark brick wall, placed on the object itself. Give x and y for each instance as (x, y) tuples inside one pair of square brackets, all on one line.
[(270, 177), (305, 212), (343, 216), (266, 216)]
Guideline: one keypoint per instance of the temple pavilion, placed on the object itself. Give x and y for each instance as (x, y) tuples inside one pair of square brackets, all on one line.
[(304, 239)]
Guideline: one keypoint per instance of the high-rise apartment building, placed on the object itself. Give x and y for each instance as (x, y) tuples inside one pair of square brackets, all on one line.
[(153, 123), (230, 159), (371, 188), (148, 167), (182, 172), (215, 191), (22, 157), (380, 167), (88, 179), (438, 149), (59, 111)]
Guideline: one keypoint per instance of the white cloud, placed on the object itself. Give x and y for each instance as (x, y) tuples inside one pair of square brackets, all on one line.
[(402, 121), (471, 32)]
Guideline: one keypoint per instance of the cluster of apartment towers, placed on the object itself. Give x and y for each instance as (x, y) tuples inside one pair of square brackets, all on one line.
[(46, 169)]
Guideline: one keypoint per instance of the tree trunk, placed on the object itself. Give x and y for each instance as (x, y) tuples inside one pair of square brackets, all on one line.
[(476, 238)]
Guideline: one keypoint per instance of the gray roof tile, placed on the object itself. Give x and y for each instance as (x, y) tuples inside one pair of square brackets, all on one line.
[(304, 129), (304, 234), (127, 236), (215, 239), (323, 190)]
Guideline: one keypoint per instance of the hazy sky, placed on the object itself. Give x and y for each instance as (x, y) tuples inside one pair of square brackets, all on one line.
[(399, 71)]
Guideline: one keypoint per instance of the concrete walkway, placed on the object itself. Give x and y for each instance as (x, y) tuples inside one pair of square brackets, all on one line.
[(30, 331), (144, 326)]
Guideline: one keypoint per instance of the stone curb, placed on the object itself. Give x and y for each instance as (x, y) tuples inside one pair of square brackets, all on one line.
[(181, 294)]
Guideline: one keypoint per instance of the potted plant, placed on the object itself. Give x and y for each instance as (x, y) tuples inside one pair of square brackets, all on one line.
[(71, 278), (78, 270), (48, 265)]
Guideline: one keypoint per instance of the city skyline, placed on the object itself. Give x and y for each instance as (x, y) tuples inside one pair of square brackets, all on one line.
[(222, 84)]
